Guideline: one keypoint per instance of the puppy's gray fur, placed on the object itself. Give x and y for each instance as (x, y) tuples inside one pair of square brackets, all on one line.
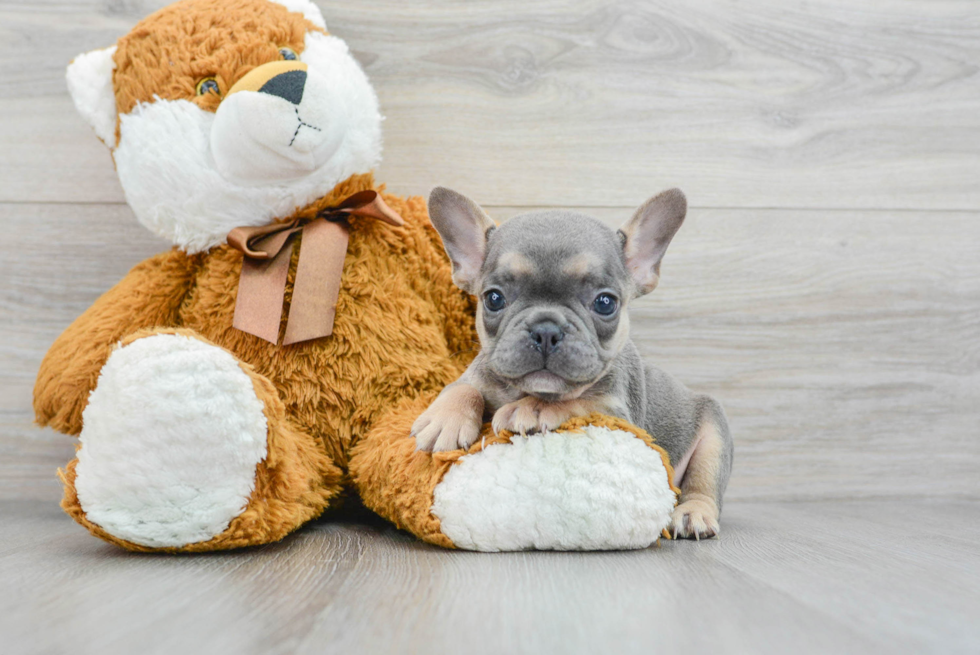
[(549, 353)]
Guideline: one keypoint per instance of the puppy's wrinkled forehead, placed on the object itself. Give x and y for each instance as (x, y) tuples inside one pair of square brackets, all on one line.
[(556, 250)]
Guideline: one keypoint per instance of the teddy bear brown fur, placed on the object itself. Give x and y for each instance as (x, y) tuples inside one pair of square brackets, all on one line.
[(401, 329)]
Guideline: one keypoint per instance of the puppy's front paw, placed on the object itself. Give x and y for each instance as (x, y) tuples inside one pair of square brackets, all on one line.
[(530, 414), (452, 421), (695, 519)]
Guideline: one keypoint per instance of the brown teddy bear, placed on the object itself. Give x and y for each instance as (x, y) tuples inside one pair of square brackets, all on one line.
[(228, 390)]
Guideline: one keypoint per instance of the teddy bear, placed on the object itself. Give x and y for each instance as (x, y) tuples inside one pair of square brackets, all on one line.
[(232, 388)]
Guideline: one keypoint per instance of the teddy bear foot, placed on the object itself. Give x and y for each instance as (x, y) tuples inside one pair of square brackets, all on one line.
[(592, 487), (593, 483), (185, 448), (173, 433)]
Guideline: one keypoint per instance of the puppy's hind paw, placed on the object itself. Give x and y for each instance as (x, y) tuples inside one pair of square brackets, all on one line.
[(694, 519), (452, 421)]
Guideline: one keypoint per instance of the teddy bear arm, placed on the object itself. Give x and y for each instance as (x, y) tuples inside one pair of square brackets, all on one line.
[(149, 296)]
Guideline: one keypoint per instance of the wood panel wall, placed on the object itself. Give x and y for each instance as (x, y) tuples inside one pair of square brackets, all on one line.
[(826, 286)]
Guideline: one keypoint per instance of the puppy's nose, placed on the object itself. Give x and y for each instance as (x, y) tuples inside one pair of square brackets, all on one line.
[(546, 337)]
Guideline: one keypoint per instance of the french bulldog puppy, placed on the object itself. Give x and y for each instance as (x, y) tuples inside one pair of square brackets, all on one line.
[(553, 289)]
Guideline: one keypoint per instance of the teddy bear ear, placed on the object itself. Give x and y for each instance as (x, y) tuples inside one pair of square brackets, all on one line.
[(307, 8), (90, 85)]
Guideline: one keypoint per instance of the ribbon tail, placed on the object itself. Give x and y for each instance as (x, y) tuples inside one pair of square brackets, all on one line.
[(372, 205), (261, 288), (317, 286)]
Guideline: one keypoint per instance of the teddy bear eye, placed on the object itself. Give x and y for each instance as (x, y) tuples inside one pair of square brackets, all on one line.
[(287, 53), (207, 85)]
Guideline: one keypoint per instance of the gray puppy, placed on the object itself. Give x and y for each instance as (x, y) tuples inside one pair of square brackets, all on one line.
[(553, 290)]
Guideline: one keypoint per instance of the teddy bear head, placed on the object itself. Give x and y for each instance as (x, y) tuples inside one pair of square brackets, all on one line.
[(227, 113)]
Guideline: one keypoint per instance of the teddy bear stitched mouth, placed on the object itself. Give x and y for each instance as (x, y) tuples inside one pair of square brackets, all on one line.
[(301, 124)]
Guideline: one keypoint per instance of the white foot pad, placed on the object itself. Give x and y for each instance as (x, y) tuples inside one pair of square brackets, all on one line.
[(171, 437), (601, 490)]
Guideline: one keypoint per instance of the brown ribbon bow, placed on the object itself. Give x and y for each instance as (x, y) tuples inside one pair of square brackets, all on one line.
[(262, 285)]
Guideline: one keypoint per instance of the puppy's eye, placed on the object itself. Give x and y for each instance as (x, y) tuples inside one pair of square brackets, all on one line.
[(494, 300), (207, 85), (605, 304), (288, 54)]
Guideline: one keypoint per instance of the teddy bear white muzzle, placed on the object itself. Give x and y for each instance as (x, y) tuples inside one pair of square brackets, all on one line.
[(276, 125)]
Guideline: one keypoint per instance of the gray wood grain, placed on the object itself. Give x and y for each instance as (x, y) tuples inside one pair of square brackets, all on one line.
[(848, 577), (749, 104)]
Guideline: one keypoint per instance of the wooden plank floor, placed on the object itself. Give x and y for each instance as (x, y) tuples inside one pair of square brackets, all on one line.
[(806, 577), (826, 287)]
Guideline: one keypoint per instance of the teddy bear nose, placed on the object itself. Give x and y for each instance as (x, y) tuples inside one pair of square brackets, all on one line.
[(288, 86), (283, 79)]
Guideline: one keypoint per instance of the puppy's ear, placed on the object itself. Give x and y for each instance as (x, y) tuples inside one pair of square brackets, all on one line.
[(646, 236), (464, 228)]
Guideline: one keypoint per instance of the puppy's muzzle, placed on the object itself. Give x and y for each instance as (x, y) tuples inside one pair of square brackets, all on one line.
[(546, 336)]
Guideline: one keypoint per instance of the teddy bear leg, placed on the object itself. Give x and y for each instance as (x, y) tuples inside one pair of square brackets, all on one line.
[(596, 483), (185, 448), (395, 480)]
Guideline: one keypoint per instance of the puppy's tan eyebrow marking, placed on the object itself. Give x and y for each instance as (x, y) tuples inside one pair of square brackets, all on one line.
[(515, 264), (581, 265)]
